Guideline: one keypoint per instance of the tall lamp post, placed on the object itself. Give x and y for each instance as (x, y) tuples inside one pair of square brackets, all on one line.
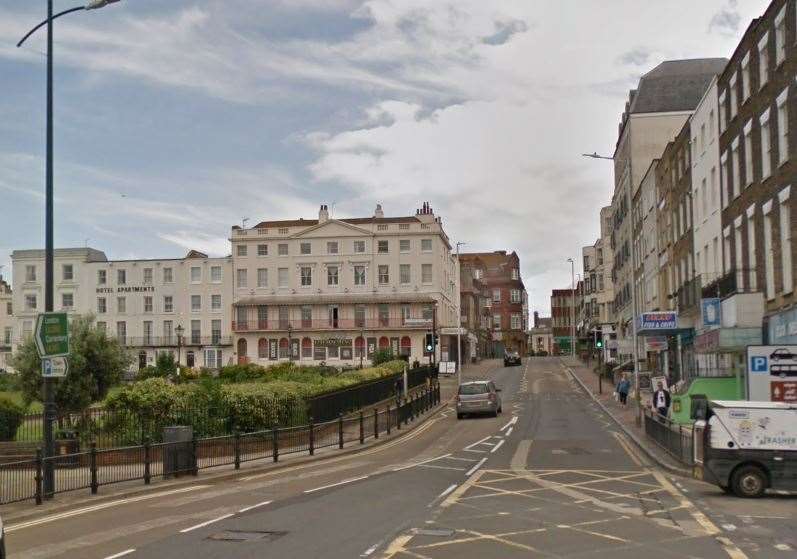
[(572, 307), (594, 155), (179, 331), (459, 322), (49, 403)]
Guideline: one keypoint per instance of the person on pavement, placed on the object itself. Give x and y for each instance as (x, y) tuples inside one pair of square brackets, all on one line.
[(661, 400), (623, 387)]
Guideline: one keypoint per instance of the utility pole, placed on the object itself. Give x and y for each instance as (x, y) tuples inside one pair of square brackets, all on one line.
[(572, 307), (459, 322)]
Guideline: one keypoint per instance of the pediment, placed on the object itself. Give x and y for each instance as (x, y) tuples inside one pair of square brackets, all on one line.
[(332, 228)]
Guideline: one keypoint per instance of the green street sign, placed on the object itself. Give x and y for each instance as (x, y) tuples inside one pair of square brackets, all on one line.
[(52, 334)]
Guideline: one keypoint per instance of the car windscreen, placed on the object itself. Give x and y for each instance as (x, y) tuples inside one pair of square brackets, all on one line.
[(473, 389)]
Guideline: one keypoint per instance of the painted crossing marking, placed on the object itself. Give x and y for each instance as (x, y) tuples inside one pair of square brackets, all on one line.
[(345, 481), (510, 423), (408, 466), (496, 447), (121, 554), (476, 467), (509, 432), (206, 523)]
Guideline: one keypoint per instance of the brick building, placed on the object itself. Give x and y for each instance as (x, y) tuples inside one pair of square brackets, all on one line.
[(756, 116), (475, 317), (500, 273), (562, 316)]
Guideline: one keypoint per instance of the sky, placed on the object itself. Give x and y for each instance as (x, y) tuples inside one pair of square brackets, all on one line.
[(176, 119)]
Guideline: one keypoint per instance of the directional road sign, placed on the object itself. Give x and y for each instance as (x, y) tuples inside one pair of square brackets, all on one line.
[(52, 334), (55, 367)]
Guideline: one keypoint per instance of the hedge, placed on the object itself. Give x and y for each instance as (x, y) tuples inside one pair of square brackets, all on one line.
[(11, 415)]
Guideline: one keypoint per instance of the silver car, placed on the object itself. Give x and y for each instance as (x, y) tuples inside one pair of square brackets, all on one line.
[(479, 396)]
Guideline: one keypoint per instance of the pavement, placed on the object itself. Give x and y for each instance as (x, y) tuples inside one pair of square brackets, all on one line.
[(552, 476)]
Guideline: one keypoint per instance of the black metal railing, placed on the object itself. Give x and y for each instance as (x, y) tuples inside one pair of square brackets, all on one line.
[(93, 468), (187, 340), (674, 438)]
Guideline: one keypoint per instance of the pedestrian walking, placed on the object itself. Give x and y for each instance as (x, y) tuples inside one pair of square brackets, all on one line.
[(661, 400), (623, 387)]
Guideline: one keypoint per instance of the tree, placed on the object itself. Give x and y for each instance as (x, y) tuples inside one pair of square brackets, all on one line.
[(382, 356), (96, 363)]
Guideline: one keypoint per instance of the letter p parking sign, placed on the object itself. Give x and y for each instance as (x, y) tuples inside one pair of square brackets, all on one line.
[(758, 364)]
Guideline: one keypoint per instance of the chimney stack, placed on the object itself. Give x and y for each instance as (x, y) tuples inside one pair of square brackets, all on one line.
[(378, 213), (323, 214)]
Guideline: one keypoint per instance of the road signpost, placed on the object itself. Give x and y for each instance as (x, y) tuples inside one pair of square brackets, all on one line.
[(52, 342)]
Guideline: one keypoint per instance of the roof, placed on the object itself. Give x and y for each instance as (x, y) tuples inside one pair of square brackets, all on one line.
[(353, 221), (675, 85)]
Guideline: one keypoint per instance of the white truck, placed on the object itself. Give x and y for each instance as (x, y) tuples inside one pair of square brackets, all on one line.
[(747, 447)]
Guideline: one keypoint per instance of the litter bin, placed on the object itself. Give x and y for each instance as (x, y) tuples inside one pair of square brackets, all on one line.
[(178, 453)]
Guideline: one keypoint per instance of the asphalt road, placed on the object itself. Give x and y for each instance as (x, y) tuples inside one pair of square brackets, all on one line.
[(550, 477)]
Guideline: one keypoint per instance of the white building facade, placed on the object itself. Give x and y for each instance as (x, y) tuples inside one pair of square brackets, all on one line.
[(179, 306), (6, 324), (338, 290)]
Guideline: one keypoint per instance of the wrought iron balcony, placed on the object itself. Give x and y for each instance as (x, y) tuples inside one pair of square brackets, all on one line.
[(171, 341)]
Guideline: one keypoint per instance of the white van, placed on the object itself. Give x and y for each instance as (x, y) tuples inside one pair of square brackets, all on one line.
[(747, 447)]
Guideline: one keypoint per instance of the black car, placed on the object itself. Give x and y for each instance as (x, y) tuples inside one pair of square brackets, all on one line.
[(511, 358)]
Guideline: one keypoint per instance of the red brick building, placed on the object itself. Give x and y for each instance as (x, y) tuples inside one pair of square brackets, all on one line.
[(500, 273)]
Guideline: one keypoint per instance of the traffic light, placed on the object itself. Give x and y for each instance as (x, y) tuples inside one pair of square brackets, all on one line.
[(429, 343), (598, 339)]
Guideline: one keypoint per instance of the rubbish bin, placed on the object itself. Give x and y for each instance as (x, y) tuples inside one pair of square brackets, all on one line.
[(178, 453)]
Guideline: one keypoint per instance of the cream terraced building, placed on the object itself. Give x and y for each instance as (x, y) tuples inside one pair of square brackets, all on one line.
[(140, 302), (337, 290)]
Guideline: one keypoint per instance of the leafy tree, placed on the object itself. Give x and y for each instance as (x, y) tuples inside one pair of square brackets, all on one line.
[(96, 363), (166, 364), (383, 356)]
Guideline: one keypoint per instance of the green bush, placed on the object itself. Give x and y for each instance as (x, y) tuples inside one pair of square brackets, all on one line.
[(11, 415), (259, 406), (383, 356), (242, 373), (9, 382)]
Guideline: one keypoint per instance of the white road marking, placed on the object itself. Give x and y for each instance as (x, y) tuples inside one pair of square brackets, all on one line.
[(408, 466), (263, 504), (121, 554), (477, 443), (729, 527), (510, 423), (782, 547), (461, 459), (433, 466), (369, 551), (476, 467), (345, 481), (447, 491), (100, 506), (509, 431), (496, 447), (206, 523)]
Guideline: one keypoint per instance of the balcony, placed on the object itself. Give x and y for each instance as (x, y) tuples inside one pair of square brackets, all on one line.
[(732, 283), (689, 295), (331, 324), (171, 341)]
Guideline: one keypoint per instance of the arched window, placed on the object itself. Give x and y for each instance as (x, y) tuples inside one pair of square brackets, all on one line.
[(406, 346), (262, 348), (384, 342), (359, 347), (189, 359), (242, 350), (285, 348), (307, 348)]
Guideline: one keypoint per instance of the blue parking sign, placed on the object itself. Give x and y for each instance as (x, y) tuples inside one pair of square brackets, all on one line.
[(759, 364)]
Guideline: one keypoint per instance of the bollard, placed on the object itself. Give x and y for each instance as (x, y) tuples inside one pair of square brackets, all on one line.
[(147, 460), (398, 414), (274, 444), (362, 428), (376, 423), (312, 438), (388, 419), (340, 430), (93, 467), (195, 468), (39, 478), (237, 450)]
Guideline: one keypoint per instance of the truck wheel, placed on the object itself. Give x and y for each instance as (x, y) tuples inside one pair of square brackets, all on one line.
[(749, 481)]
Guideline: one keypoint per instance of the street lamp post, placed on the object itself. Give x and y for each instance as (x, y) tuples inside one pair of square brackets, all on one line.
[(290, 342), (572, 307), (459, 323), (49, 415), (179, 331)]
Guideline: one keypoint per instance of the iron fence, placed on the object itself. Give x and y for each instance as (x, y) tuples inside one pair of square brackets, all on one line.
[(674, 438), (93, 468)]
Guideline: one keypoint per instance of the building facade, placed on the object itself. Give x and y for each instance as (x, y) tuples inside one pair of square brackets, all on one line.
[(757, 117), (338, 290), (499, 271), (6, 324), (564, 305), (475, 305), (179, 305), (541, 336)]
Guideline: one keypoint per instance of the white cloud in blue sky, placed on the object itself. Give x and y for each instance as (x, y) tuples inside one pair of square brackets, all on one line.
[(178, 118)]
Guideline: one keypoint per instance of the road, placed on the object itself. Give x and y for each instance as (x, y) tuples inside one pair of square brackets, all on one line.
[(550, 477)]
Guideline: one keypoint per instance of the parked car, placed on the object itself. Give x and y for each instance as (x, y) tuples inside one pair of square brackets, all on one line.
[(511, 358), (782, 354), (478, 397)]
